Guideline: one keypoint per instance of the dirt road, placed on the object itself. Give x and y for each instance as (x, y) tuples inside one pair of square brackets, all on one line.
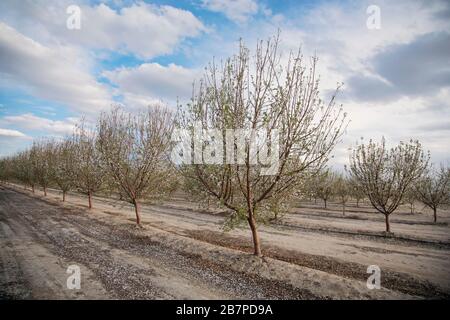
[(39, 241), (176, 256)]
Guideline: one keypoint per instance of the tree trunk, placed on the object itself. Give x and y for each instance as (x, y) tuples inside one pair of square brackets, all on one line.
[(388, 226), (45, 191), (64, 196), (343, 209), (137, 209), (325, 201), (435, 214), (412, 208), (90, 199), (32, 188), (256, 243), (357, 203)]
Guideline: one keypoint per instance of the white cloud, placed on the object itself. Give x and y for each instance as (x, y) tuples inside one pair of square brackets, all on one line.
[(12, 141), (51, 73), (152, 82), (12, 133), (29, 121), (337, 33), (236, 10), (400, 120), (133, 101), (57, 64), (9, 146), (47, 60), (145, 30)]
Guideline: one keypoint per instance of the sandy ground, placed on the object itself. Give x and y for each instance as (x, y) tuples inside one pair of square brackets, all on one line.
[(311, 253)]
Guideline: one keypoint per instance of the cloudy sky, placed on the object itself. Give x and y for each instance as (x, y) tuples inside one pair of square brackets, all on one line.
[(396, 77)]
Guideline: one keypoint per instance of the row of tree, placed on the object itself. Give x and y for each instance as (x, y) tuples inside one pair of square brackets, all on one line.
[(246, 92), (327, 184), (129, 153), (432, 188), (125, 153), (387, 175)]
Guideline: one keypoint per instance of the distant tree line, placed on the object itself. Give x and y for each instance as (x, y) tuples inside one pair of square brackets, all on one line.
[(125, 153), (385, 177)]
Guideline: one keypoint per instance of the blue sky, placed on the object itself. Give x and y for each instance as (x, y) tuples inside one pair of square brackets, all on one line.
[(396, 78)]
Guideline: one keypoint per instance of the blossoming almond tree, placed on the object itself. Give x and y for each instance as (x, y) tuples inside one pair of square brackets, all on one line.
[(433, 189), (64, 166), (247, 95), (42, 160), (89, 174), (385, 174), (135, 152), (342, 189)]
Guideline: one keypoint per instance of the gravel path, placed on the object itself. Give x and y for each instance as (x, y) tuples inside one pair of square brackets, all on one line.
[(181, 255), (39, 241)]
